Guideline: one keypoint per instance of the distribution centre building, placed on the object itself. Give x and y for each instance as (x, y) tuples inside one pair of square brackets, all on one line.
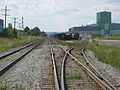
[(103, 27)]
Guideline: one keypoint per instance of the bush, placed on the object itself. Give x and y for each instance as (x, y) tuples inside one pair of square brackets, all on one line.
[(9, 32)]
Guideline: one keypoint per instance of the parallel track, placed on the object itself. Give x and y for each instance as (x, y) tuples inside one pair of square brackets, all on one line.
[(8, 66)]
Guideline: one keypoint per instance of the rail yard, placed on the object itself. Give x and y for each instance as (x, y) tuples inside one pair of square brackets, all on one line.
[(48, 65)]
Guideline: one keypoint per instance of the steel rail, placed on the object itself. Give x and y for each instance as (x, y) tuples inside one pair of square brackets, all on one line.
[(7, 67), (23, 47), (97, 79), (54, 69), (96, 72), (90, 73), (63, 70)]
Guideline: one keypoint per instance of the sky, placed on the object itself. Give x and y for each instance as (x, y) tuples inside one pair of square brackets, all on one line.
[(59, 15)]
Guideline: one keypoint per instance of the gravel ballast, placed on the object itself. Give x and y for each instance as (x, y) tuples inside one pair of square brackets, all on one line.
[(27, 74), (111, 73)]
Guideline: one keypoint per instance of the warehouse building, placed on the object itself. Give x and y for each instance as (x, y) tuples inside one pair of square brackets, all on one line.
[(86, 31), (1, 25), (103, 27)]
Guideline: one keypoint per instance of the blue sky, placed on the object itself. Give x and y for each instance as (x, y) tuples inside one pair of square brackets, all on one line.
[(59, 15)]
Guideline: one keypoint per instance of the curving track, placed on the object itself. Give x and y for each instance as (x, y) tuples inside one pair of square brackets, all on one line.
[(57, 73), (100, 82)]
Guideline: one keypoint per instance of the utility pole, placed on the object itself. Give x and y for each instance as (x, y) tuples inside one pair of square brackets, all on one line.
[(22, 23), (5, 14), (14, 24), (19, 26)]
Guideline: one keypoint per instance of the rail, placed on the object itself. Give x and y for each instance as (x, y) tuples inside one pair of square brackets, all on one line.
[(96, 72), (12, 52), (63, 69), (93, 73), (54, 69), (7, 67)]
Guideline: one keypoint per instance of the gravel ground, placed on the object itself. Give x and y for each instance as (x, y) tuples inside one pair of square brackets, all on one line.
[(110, 73), (28, 73)]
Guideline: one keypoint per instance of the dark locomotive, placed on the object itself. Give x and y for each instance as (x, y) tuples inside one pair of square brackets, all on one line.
[(67, 36)]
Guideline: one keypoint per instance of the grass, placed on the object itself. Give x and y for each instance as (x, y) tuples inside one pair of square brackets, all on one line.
[(8, 43), (104, 53), (16, 87), (74, 77), (111, 37)]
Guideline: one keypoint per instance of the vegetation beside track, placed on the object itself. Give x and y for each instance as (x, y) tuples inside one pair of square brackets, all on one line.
[(110, 38), (75, 77), (11, 42), (104, 53)]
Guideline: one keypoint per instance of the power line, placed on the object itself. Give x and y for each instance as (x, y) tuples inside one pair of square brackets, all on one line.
[(19, 25), (5, 14), (14, 24)]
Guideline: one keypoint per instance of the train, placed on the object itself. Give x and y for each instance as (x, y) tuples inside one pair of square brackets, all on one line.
[(67, 36)]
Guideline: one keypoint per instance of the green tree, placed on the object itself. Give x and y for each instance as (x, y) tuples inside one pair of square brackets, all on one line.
[(43, 34), (35, 31), (9, 32), (27, 29)]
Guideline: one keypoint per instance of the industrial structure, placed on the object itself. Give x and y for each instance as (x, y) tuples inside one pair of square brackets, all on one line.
[(103, 27), (1, 25)]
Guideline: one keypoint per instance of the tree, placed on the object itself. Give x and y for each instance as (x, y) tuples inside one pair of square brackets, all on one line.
[(9, 32), (35, 31), (27, 29), (43, 34)]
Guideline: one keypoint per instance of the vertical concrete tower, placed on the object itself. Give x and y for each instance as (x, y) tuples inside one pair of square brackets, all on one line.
[(104, 21)]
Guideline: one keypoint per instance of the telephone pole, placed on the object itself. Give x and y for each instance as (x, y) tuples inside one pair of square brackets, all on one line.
[(19, 26), (22, 23), (14, 24), (5, 14)]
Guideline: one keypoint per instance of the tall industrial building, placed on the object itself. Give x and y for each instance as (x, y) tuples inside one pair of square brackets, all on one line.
[(1, 25), (103, 26), (107, 27), (103, 18)]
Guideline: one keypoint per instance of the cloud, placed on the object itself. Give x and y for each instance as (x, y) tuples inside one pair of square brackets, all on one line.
[(59, 14), (115, 1)]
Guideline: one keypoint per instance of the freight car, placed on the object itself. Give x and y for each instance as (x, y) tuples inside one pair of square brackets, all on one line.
[(67, 36)]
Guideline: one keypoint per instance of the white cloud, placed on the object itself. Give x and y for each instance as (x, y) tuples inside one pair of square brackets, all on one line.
[(59, 14)]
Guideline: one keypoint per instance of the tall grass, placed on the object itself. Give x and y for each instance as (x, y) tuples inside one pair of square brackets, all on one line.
[(104, 53), (8, 43), (111, 37)]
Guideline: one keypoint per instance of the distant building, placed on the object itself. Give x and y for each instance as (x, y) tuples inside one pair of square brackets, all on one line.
[(9, 25), (86, 31), (104, 27), (107, 27), (103, 18), (1, 25)]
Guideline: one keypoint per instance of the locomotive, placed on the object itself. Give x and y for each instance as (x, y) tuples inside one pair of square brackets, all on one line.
[(67, 36)]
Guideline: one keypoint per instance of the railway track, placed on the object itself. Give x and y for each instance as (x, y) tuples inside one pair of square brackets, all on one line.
[(64, 64), (98, 79), (9, 63)]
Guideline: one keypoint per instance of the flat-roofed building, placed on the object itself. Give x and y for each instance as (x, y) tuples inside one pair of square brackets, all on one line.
[(86, 31)]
